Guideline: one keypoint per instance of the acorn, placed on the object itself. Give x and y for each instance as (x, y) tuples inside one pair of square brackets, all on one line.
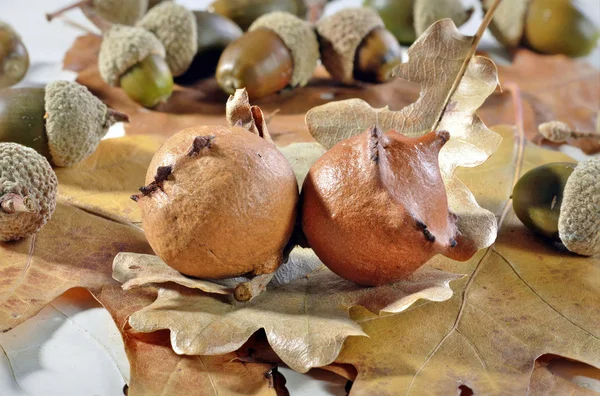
[(134, 59), (546, 26), (245, 12), (14, 59), (124, 12), (279, 51), (215, 33), (28, 188), (220, 201), (355, 46), (375, 209), (561, 201), (175, 27), (408, 19), (63, 122)]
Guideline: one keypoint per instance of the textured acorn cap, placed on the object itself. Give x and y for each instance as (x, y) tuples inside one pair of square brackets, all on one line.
[(300, 39), (124, 47), (27, 174), (175, 26), (76, 121), (579, 220), (508, 23), (126, 12), (340, 36)]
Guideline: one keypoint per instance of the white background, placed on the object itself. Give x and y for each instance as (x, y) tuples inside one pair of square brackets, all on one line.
[(72, 347)]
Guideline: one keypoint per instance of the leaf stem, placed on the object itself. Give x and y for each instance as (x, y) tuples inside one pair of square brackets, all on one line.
[(476, 39)]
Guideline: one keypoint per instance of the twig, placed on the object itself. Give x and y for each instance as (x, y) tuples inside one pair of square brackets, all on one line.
[(246, 291)]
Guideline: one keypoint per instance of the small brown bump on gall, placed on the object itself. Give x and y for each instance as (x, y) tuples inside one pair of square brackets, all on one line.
[(200, 142)]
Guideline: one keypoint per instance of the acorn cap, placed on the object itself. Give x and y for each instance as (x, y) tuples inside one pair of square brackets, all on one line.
[(124, 47), (427, 12), (508, 23), (175, 26), (76, 121), (340, 36), (26, 174), (300, 39), (126, 12), (579, 220)]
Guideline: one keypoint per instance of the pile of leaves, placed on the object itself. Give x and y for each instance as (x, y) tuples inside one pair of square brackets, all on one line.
[(519, 299)]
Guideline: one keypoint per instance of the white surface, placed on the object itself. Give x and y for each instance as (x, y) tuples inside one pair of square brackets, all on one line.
[(74, 348)]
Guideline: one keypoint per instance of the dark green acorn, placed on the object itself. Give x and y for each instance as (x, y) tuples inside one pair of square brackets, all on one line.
[(215, 33)]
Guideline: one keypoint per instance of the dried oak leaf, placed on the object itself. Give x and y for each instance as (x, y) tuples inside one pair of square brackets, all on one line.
[(76, 249), (523, 298), (104, 181), (306, 321), (450, 95), (135, 270), (553, 375), (554, 88)]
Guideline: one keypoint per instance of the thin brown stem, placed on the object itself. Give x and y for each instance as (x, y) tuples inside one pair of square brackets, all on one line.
[(14, 203), (61, 11), (476, 39), (117, 116)]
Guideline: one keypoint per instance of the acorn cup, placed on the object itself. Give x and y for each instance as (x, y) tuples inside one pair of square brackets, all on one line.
[(134, 59), (124, 12), (63, 122), (408, 19), (175, 27), (561, 201), (28, 188), (214, 34), (245, 12), (355, 46), (546, 26), (14, 59), (279, 51)]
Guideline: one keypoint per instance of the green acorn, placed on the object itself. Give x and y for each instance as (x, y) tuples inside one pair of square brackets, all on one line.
[(561, 201), (175, 27), (546, 26), (134, 59), (63, 122)]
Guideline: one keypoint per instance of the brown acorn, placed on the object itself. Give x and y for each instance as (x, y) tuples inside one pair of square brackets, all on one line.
[(374, 207), (14, 59), (279, 51), (220, 201), (355, 46)]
